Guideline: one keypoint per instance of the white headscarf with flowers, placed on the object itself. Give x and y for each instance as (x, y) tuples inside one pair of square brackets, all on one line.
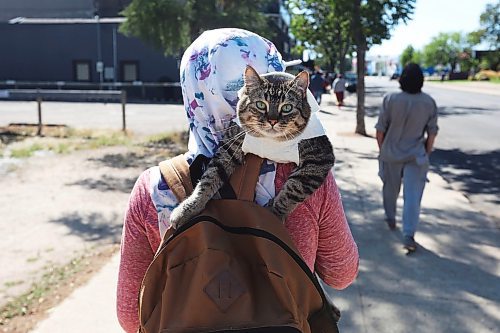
[(211, 74)]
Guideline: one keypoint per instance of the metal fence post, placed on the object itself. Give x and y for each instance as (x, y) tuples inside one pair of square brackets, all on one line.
[(124, 101), (39, 103)]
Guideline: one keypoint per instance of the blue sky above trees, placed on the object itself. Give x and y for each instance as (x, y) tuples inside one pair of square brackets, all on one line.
[(430, 18)]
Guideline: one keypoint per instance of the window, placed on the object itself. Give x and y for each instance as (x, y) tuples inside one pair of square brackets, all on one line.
[(130, 71), (81, 70)]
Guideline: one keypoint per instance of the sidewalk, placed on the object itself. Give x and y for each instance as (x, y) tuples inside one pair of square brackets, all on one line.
[(449, 285)]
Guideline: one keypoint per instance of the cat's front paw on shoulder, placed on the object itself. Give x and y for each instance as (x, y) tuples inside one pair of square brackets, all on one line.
[(178, 217)]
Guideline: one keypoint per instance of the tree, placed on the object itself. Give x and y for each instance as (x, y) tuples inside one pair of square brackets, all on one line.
[(372, 21), (490, 25), (409, 54), (319, 24), (322, 27), (444, 49), (490, 34), (172, 25)]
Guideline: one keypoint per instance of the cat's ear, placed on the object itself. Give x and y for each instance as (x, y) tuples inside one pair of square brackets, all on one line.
[(301, 81), (252, 78)]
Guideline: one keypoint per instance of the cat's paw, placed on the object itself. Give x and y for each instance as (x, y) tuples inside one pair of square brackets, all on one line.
[(178, 217)]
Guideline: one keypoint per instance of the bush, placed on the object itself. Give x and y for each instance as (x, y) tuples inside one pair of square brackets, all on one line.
[(487, 75)]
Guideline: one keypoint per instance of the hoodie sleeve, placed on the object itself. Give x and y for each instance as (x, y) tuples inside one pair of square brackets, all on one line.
[(136, 253), (337, 258)]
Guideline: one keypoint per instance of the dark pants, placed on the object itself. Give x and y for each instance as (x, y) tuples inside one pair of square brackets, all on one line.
[(317, 95), (340, 97)]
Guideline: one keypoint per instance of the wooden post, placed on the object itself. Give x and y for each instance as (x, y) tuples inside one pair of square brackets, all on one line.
[(124, 101), (39, 103)]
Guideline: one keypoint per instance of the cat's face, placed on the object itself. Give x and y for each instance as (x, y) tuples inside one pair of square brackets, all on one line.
[(274, 105)]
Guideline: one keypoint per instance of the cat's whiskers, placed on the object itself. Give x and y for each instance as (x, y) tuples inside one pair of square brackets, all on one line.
[(231, 141), (227, 128)]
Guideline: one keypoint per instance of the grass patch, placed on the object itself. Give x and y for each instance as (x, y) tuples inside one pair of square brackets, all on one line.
[(23, 312), (39, 291), (26, 151), (32, 259), (64, 142), (9, 284)]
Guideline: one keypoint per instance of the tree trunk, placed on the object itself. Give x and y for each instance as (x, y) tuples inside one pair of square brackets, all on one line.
[(360, 90), (360, 40)]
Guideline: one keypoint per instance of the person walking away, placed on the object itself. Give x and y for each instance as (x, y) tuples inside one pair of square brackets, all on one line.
[(317, 85), (405, 131), (339, 89)]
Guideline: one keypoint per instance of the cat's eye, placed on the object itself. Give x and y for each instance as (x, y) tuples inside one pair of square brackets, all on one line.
[(287, 108), (260, 105)]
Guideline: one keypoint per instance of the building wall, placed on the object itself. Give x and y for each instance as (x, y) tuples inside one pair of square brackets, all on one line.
[(46, 8), (10, 9), (46, 52)]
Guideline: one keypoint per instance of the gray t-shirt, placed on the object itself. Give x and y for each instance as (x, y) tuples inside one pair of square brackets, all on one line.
[(404, 119)]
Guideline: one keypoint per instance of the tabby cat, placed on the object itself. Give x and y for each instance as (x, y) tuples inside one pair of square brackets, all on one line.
[(274, 106)]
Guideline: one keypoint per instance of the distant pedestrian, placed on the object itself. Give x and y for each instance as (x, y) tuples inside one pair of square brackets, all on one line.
[(339, 89), (317, 85), (406, 130)]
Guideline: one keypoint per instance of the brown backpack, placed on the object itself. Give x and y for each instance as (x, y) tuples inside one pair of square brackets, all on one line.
[(233, 268)]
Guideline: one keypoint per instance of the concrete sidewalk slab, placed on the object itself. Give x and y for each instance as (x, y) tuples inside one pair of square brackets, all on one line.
[(91, 308)]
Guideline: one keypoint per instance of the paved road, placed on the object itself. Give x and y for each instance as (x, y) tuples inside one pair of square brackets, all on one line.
[(467, 152)]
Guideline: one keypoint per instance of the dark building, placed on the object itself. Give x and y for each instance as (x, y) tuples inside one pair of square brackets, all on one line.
[(77, 42)]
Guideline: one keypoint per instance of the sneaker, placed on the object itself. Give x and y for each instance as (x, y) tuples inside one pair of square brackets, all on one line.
[(391, 223), (409, 243)]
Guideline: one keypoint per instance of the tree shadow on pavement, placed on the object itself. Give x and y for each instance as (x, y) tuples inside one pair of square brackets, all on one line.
[(445, 111), (477, 173), (395, 291), (375, 91), (93, 227), (121, 161), (107, 183), (364, 156)]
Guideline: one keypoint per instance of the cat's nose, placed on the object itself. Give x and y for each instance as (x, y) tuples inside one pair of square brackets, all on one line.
[(272, 122)]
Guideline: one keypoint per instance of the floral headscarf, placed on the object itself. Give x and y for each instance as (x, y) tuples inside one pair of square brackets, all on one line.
[(211, 74)]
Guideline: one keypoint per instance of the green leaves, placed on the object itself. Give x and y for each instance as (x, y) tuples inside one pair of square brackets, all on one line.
[(490, 24), (171, 25), (331, 27), (410, 55)]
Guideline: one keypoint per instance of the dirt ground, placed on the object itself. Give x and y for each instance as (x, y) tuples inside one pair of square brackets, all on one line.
[(58, 207)]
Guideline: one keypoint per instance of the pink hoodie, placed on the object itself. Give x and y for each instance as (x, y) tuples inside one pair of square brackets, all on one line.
[(318, 227)]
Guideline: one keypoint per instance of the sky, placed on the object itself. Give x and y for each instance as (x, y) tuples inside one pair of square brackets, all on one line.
[(430, 18)]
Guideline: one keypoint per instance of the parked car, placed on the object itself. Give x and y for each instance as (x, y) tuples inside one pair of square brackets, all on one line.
[(351, 82), (394, 76)]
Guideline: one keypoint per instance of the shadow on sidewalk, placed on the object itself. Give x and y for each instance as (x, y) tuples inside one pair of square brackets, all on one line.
[(477, 173), (94, 227), (107, 184), (452, 267)]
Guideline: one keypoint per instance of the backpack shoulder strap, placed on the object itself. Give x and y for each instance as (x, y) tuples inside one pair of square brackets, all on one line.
[(245, 177), (175, 171)]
